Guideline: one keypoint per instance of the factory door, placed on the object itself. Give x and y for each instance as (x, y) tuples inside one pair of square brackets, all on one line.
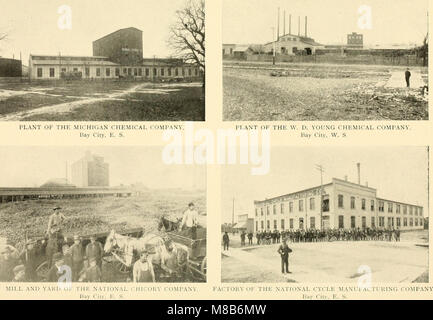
[(308, 51)]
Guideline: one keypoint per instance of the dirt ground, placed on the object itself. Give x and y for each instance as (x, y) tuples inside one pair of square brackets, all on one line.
[(101, 101), (309, 92), (331, 262)]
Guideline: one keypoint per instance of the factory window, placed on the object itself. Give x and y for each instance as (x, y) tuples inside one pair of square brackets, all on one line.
[(411, 222), (176, 72), (353, 222), (267, 210), (312, 223), (257, 213), (410, 210), (39, 72), (282, 208), (261, 211), (420, 212), (155, 72), (390, 207), (51, 72), (63, 69), (352, 202), (290, 206), (117, 72), (87, 71), (98, 72), (275, 225), (107, 72), (381, 221), (162, 72), (325, 204), (301, 205), (262, 225), (398, 222), (294, 49), (340, 222), (75, 69), (363, 204), (183, 72), (147, 72), (404, 209), (416, 211), (257, 226), (364, 222), (129, 71), (190, 72), (268, 224), (381, 206), (404, 222), (274, 209), (397, 208), (125, 71), (372, 205), (340, 201), (420, 222), (291, 223), (282, 224), (169, 72), (373, 222), (301, 223), (196, 72), (312, 204), (135, 72)]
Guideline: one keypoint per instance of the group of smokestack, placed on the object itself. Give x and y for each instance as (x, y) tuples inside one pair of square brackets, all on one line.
[(290, 25)]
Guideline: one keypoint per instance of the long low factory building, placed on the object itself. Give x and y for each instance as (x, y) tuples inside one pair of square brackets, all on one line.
[(23, 194)]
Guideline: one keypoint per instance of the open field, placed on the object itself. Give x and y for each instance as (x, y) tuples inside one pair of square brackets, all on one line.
[(101, 101), (331, 262), (310, 92)]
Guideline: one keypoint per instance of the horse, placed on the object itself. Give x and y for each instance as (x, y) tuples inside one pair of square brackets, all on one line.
[(168, 225)]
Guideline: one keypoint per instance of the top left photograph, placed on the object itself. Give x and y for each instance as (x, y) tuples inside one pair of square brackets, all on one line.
[(102, 60)]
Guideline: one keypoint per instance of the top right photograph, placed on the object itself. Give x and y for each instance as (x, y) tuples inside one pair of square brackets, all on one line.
[(304, 60)]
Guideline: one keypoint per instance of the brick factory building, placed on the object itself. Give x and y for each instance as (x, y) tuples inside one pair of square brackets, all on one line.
[(117, 55), (10, 68), (90, 171), (345, 205)]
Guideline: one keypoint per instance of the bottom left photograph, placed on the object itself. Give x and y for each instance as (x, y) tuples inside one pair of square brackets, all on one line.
[(100, 214)]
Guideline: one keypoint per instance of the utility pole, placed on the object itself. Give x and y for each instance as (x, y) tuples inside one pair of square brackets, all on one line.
[(320, 168), (273, 40)]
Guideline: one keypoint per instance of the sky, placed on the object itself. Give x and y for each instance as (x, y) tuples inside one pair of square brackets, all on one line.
[(33, 25), (32, 166), (329, 21), (398, 173)]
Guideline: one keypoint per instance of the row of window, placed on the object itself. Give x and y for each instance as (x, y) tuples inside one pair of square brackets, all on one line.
[(381, 223), (381, 206), (281, 207), (128, 71)]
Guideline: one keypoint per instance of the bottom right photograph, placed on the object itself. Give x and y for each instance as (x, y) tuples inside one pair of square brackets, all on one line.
[(328, 215)]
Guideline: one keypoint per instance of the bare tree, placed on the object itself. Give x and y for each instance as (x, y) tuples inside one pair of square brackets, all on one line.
[(187, 34)]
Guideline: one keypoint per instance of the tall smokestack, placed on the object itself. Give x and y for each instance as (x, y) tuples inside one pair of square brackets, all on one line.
[(284, 23), (306, 26), (299, 26), (278, 27), (359, 172), (290, 24)]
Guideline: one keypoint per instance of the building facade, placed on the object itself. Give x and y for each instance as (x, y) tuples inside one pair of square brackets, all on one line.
[(344, 205), (115, 56), (10, 68), (90, 171), (355, 40), (290, 44)]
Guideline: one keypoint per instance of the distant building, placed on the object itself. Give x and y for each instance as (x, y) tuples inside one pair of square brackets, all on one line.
[(290, 44), (244, 224), (355, 40), (343, 205), (117, 55), (90, 171), (10, 68)]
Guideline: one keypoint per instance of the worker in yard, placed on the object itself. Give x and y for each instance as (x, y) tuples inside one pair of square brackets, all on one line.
[(92, 273), (284, 251), (169, 262), (250, 238), (56, 271), (95, 250), (143, 269), (29, 259), (7, 264), (226, 241), (55, 226), (407, 76), (77, 253), (243, 235), (190, 221)]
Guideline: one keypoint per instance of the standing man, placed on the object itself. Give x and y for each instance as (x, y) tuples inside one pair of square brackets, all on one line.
[(190, 220), (243, 238), (55, 226), (95, 251), (250, 238), (407, 76), (143, 269), (29, 260), (56, 270), (77, 253), (284, 251), (226, 241)]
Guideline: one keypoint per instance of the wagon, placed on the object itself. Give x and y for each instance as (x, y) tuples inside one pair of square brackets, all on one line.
[(197, 262), (42, 260)]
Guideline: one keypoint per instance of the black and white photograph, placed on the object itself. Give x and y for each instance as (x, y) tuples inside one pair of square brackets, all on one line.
[(335, 60), (102, 60), (100, 214), (331, 215)]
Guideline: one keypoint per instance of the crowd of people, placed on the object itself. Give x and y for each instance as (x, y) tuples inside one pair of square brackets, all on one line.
[(315, 235)]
